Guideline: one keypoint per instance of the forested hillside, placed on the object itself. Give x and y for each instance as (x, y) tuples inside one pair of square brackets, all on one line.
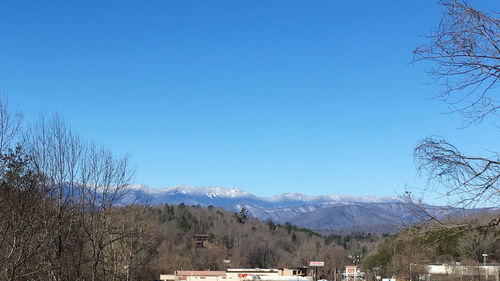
[(63, 218), (246, 242), (430, 243), (105, 242)]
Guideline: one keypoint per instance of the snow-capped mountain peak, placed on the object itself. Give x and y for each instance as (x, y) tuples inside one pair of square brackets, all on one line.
[(208, 191), (294, 196), (317, 212)]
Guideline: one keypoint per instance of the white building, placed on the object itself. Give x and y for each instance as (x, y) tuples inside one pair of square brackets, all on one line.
[(238, 274), (489, 271)]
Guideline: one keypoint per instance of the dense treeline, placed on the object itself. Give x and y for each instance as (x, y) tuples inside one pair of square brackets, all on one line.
[(464, 53), (58, 195), (44, 241), (63, 218), (246, 242), (433, 244)]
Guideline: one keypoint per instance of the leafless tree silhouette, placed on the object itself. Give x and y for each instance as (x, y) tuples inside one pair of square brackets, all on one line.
[(465, 53)]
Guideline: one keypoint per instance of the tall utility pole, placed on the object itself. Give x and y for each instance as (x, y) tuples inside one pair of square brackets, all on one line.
[(410, 269), (484, 264), (127, 268)]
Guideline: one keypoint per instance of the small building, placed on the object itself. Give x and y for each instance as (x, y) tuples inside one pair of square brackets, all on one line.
[(194, 275), (240, 274), (243, 273), (491, 271), (167, 277), (202, 241), (295, 271)]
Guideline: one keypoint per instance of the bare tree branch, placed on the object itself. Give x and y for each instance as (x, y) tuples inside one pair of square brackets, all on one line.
[(465, 48), (467, 181)]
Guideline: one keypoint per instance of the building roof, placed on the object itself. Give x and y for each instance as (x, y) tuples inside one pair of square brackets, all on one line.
[(201, 273), (252, 270)]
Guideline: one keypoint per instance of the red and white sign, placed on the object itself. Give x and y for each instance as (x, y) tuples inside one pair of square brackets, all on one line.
[(316, 263), (350, 270)]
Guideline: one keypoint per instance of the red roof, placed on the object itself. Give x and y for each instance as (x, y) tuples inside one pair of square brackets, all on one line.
[(201, 273)]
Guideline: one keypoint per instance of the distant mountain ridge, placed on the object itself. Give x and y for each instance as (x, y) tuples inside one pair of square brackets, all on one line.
[(220, 192), (325, 212)]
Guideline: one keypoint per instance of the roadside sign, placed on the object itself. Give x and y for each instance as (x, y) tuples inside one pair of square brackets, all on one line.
[(316, 263)]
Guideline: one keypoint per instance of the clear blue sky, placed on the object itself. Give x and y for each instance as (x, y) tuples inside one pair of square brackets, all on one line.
[(314, 97)]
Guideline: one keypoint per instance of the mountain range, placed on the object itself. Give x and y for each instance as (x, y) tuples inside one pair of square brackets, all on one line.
[(337, 213)]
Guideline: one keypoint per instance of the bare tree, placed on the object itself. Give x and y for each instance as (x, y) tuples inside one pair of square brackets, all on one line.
[(22, 235), (127, 255), (474, 243), (57, 151), (465, 52), (465, 182), (63, 206), (465, 49), (468, 181), (10, 126), (103, 185)]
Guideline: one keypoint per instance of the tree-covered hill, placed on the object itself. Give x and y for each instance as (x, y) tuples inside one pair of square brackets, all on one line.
[(246, 242), (433, 243)]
